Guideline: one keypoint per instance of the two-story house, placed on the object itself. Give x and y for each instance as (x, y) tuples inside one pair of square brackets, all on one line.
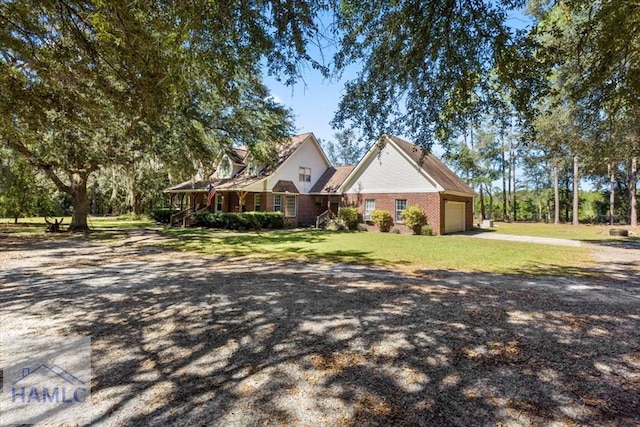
[(302, 184)]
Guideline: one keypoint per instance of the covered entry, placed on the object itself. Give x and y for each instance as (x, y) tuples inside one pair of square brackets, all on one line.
[(454, 216)]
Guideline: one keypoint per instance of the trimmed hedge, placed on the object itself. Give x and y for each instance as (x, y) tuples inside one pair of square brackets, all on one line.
[(162, 215), (240, 221)]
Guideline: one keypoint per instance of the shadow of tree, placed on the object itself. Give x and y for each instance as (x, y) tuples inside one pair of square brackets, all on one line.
[(184, 340)]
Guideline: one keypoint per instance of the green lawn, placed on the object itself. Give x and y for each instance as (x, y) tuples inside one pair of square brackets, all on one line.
[(410, 253), (36, 225), (405, 251), (564, 231)]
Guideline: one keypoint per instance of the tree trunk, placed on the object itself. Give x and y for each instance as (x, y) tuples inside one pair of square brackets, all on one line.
[(612, 194), (505, 216), (483, 212), (80, 203), (512, 169), (556, 195), (490, 203), (633, 196), (576, 191)]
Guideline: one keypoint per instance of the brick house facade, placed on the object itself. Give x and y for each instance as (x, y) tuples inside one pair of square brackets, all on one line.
[(393, 175)]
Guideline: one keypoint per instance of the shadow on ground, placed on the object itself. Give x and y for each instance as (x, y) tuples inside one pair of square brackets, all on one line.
[(181, 339)]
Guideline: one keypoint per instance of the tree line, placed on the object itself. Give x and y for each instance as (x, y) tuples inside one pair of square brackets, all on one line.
[(145, 91)]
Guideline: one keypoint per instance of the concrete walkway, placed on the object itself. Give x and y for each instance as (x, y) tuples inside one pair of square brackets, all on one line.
[(528, 239)]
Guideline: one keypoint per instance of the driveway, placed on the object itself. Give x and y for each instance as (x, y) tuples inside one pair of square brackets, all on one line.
[(527, 239), (185, 339)]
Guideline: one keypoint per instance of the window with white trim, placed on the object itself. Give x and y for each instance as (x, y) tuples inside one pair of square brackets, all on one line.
[(277, 202), (225, 168), (304, 174), (256, 202), (218, 202), (401, 205), (291, 206), (369, 206)]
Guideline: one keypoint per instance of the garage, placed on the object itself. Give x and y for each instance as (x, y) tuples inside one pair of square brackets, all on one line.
[(454, 220)]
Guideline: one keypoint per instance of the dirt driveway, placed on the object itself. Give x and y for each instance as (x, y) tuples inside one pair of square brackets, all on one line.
[(183, 339)]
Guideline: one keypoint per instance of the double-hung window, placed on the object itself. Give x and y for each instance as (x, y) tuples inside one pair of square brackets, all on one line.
[(304, 174), (291, 206), (277, 202), (369, 206), (401, 205), (256, 202)]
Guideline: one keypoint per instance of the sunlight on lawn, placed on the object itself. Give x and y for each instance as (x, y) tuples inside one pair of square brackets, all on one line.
[(582, 232), (406, 251)]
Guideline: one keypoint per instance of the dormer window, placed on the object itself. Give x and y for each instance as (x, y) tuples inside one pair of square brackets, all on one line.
[(304, 174), (225, 167), (254, 168)]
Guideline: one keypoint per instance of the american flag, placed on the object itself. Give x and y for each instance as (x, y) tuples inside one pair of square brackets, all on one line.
[(211, 195)]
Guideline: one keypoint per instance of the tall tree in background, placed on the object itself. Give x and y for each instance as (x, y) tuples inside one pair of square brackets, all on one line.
[(84, 84), (425, 66), (345, 150)]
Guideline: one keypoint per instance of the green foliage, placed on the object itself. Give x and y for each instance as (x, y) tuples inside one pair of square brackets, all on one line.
[(346, 150), (382, 219), (349, 216), (162, 216), (414, 218), (170, 82), (458, 55), (23, 192), (241, 221), (427, 231)]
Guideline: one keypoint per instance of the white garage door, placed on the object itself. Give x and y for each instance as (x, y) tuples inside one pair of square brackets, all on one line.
[(454, 217)]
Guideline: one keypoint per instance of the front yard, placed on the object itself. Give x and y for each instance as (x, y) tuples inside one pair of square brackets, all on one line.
[(259, 329)]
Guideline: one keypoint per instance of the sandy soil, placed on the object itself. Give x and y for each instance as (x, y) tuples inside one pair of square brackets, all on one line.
[(182, 339)]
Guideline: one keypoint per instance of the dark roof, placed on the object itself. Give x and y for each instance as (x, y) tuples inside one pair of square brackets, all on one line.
[(331, 179), (238, 154), (444, 176), (285, 187), (188, 186)]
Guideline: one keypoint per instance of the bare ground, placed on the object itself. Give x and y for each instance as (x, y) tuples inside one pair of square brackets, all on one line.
[(181, 339)]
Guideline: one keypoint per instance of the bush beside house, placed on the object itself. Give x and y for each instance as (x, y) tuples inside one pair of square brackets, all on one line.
[(414, 218), (382, 219)]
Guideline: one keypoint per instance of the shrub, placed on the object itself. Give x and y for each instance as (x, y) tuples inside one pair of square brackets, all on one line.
[(349, 216), (362, 227), (382, 219), (240, 221), (414, 218), (162, 215), (427, 230)]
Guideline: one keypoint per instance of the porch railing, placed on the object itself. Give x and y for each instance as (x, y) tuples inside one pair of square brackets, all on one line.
[(322, 219), (185, 218), (182, 218)]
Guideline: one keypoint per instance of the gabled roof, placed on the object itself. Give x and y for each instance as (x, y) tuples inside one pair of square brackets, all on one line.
[(238, 155), (331, 179), (430, 166), (283, 186), (433, 166)]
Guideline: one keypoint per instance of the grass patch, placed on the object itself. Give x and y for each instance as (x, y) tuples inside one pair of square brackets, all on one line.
[(37, 225), (405, 251), (562, 231)]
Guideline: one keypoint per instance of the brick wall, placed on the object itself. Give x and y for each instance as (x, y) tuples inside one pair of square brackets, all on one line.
[(430, 202), (468, 215)]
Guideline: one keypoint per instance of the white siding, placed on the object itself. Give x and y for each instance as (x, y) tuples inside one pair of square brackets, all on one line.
[(307, 155), (389, 172)]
